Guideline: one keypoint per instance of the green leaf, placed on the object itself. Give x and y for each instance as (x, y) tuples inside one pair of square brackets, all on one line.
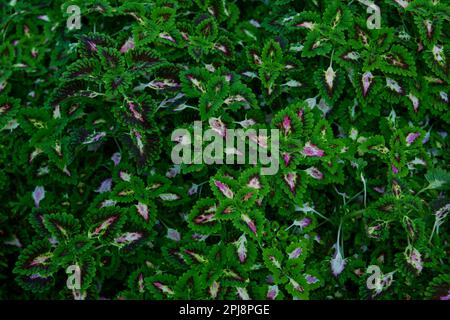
[(106, 223), (207, 29), (430, 28), (61, 225), (330, 83), (202, 217), (438, 179), (194, 81), (251, 222), (273, 260), (337, 15), (86, 68), (315, 45), (397, 61), (36, 259), (272, 55), (437, 57), (189, 286), (36, 283)]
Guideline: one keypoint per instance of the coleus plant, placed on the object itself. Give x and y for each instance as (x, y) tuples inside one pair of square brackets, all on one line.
[(87, 181)]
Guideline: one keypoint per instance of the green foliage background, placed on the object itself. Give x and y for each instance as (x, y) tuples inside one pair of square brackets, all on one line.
[(86, 116)]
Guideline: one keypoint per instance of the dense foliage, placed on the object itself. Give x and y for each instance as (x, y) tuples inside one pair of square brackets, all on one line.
[(86, 178)]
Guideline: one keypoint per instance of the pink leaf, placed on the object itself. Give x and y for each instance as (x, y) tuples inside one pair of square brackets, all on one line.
[(226, 191), (38, 195), (312, 150)]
